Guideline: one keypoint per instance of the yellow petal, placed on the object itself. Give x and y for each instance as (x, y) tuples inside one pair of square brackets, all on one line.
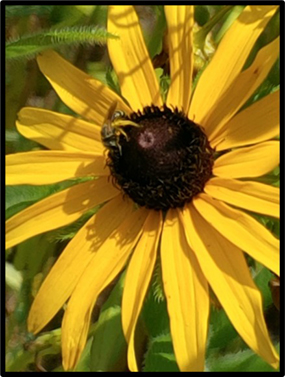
[(259, 122), (66, 272), (253, 196), (58, 131), (252, 161), (110, 259), (45, 167), (240, 229), (180, 21), (137, 279), (58, 210), (83, 94), (187, 296), (130, 58), (240, 90), (226, 270), (229, 59)]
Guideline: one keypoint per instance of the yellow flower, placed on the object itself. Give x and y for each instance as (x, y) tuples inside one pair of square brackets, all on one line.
[(203, 242)]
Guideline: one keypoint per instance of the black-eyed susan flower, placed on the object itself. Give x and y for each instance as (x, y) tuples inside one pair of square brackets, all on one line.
[(167, 188)]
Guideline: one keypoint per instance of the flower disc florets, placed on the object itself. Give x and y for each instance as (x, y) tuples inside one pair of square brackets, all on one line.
[(164, 162)]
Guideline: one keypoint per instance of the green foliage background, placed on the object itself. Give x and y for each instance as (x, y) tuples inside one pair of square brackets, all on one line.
[(79, 34)]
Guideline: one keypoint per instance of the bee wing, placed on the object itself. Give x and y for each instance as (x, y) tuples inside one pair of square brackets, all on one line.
[(111, 111)]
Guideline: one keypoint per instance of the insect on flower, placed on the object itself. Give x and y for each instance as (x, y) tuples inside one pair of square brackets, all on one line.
[(113, 128)]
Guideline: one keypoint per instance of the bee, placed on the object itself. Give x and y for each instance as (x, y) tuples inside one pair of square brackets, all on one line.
[(113, 128)]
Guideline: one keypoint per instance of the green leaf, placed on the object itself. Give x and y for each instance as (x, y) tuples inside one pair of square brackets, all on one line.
[(98, 71), (112, 81), (156, 36), (109, 345), (222, 334), (201, 14), (262, 279), (201, 35), (24, 195), (32, 254), (21, 196), (154, 313), (29, 46), (109, 348), (160, 356), (84, 362), (243, 361), (228, 21), (164, 82), (271, 223)]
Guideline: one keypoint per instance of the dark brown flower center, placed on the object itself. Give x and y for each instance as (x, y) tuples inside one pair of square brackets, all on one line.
[(164, 162)]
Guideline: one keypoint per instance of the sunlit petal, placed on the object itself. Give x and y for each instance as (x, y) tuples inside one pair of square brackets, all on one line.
[(253, 196), (259, 122), (45, 167), (226, 270), (58, 210), (58, 131), (240, 229), (72, 263), (180, 21), (252, 161), (110, 259), (137, 279), (187, 296), (229, 59), (130, 58), (86, 96), (240, 90)]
